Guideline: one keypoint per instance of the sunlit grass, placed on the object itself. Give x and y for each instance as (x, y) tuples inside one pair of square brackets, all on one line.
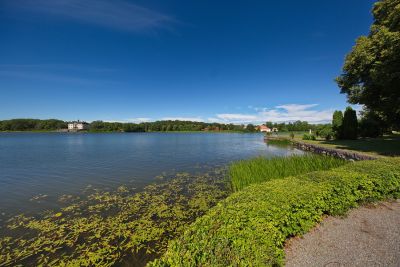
[(257, 170)]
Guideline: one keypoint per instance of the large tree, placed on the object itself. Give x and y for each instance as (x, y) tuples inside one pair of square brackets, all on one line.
[(371, 71)]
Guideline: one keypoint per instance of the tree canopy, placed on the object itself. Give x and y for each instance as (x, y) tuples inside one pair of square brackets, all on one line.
[(32, 125), (371, 71)]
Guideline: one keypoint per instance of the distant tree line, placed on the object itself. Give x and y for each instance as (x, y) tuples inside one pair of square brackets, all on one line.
[(157, 126), (163, 126), (32, 125), (101, 126), (296, 126)]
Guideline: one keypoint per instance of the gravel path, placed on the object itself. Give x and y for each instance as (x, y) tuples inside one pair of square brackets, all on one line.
[(368, 236)]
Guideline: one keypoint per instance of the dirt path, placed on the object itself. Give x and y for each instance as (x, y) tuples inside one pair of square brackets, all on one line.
[(368, 236)]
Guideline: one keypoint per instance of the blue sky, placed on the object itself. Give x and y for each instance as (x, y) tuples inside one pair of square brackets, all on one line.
[(225, 61)]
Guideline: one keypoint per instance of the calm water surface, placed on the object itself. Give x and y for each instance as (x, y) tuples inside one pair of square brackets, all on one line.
[(54, 164)]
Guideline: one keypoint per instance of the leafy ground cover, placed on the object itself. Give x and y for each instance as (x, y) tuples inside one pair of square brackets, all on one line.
[(261, 169), (249, 228), (111, 228)]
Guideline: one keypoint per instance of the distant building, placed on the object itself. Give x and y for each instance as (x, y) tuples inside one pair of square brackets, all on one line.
[(78, 126), (263, 128), (275, 130)]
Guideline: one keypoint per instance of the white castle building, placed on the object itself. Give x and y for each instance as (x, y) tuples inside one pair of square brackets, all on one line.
[(77, 125)]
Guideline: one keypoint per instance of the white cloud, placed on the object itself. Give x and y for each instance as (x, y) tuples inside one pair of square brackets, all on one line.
[(236, 117), (137, 120), (117, 14), (296, 107), (133, 120), (182, 119), (281, 113)]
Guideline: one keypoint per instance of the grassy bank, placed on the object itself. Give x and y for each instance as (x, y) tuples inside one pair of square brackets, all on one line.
[(250, 227), (388, 145), (246, 172)]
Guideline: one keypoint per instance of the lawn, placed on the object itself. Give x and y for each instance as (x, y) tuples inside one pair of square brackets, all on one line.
[(385, 146)]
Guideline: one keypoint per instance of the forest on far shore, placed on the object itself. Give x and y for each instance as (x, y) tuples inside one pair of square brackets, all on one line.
[(156, 126)]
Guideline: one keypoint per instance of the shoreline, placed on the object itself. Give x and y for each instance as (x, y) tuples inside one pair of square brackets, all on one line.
[(64, 132), (318, 149)]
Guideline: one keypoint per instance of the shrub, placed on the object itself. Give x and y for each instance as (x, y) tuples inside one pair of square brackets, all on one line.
[(326, 132), (249, 228), (309, 137), (291, 135)]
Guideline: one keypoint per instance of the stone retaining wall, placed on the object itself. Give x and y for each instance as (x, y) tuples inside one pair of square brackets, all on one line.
[(338, 153), (343, 154)]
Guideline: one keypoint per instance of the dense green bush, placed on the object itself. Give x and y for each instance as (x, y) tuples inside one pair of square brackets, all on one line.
[(308, 137), (325, 132), (245, 172), (250, 227)]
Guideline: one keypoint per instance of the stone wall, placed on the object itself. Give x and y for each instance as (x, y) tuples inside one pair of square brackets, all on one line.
[(343, 154), (338, 153)]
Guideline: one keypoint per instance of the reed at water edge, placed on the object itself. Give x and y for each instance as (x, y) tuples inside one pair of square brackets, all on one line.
[(245, 172)]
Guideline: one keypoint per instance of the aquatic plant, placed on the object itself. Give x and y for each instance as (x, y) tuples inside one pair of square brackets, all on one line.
[(108, 228), (257, 170)]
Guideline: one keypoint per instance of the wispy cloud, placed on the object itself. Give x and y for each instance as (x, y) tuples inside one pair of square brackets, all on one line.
[(116, 14), (132, 120), (59, 73), (138, 120), (282, 113), (236, 117), (182, 119)]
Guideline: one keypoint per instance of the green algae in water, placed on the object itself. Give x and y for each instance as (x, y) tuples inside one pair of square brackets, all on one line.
[(108, 228)]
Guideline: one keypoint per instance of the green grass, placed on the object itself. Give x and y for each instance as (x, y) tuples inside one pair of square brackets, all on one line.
[(287, 134), (281, 142), (257, 170), (388, 145), (250, 227)]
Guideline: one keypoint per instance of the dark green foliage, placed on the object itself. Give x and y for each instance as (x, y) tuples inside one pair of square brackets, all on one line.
[(32, 125), (371, 70), (250, 128), (337, 122), (250, 227), (371, 125), (350, 124), (101, 126), (245, 172), (300, 126)]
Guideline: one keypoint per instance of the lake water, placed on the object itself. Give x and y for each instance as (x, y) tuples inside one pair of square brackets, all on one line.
[(54, 164)]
